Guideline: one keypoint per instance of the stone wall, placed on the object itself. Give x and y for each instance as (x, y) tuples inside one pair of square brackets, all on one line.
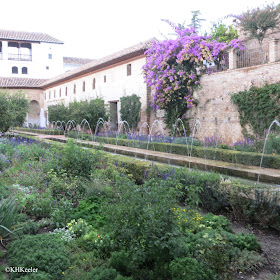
[(216, 113)]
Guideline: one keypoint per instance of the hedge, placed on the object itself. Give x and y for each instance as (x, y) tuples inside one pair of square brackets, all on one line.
[(231, 156)]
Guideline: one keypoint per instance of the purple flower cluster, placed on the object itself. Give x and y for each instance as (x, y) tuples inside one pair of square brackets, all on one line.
[(173, 67)]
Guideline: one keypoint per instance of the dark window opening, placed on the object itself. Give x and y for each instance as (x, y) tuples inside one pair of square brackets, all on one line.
[(66, 91), (24, 70), (14, 70), (50, 56), (49, 95), (74, 88), (84, 85), (128, 69), (104, 79), (60, 92), (47, 67), (93, 83)]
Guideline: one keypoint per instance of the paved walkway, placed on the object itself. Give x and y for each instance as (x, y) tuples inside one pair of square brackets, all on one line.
[(237, 170)]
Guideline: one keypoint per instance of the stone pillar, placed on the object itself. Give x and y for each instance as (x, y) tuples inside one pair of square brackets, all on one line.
[(273, 50), (5, 50), (232, 60)]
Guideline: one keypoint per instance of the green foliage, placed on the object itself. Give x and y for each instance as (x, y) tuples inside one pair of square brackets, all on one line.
[(257, 107), (246, 241), (216, 222), (61, 212), (8, 210), (106, 274), (256, 22), (190, 269), (44, 251), (223, 33), (130, 110), (76, 160), (142, 223), (58, 112), (196, 21), (13, 110)]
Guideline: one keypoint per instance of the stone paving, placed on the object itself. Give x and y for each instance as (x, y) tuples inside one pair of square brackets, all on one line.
[(237, 170)]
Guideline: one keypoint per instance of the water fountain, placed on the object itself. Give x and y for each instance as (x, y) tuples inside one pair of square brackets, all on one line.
[(71, 124), (82, 126), (121, 125), (264, 146), (102, 122)]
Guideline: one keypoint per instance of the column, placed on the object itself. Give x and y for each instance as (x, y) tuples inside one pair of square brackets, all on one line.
[(273, 50), (232, 60)]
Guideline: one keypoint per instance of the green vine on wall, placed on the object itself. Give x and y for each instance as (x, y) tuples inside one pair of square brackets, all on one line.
[(257, 108)]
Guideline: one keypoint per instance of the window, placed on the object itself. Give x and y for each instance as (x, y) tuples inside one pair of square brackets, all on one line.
[(60, 92), (47, 67), (84, 86), (66, 91), (14, 70), (49, 95), (74, 88), (50, 56), (93, 83), (54, 94), (128, 69), (104, 79), (24, 70)]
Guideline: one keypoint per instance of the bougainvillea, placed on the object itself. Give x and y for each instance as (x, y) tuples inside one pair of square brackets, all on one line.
[(174, 66)]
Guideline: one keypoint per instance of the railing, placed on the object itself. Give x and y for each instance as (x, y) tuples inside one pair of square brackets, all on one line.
[(252, 57), (22, 57)]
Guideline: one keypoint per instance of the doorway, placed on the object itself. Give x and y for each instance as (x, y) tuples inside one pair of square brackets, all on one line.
[(113, 115)]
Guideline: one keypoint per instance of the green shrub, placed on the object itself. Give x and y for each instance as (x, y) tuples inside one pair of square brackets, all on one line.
[(61, 212), (107, 274), (246, 241), (216, 222), (142, 223), (44, 251), (190, 269), (77, 161)]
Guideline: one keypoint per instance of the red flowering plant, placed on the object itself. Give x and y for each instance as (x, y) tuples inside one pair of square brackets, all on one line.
[(174, 67)]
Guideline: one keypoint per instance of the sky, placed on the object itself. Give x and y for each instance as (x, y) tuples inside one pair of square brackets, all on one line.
[(96, 28)]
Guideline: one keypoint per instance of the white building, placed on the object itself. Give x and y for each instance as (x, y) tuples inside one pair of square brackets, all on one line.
[(34, 62), (30, 55)]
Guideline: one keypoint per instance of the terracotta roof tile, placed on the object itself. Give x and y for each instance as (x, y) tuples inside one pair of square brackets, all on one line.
[(77, 60), (103, 62), (14, 82), (28, 36)]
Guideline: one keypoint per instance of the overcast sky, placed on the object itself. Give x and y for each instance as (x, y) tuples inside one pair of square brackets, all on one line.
[(96, 28)]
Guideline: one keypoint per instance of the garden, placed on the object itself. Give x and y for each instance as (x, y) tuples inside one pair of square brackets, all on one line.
[(77, 213)]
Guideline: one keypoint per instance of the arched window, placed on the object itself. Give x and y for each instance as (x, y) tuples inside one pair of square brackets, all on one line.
[(128, 69), (84, 86), (24, 70), (66, 91), (14, 70), (74, 88), (93, 83)]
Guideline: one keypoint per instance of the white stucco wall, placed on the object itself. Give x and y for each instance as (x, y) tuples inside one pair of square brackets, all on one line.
[(37, 66), (117, 84)]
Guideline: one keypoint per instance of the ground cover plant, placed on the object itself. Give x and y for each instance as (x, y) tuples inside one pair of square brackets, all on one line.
[(97, 223)]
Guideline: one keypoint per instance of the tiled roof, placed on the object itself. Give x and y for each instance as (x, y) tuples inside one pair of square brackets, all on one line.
[(14, 82), (77, 60), (28, 36), (103, 62)]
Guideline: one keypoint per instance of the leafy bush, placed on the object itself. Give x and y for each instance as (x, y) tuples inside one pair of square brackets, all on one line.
[(44, 251), (61, 212), (142, 223), (130, 109), (190, 269), (77, 161), (246, 241), (107, 274)]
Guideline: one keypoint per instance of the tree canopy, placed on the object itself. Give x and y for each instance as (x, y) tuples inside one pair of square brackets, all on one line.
[(13, 109)]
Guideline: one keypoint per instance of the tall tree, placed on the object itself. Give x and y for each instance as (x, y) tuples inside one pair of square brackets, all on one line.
[(196, 21), (13, 110), (256, 22), (223, 33)]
